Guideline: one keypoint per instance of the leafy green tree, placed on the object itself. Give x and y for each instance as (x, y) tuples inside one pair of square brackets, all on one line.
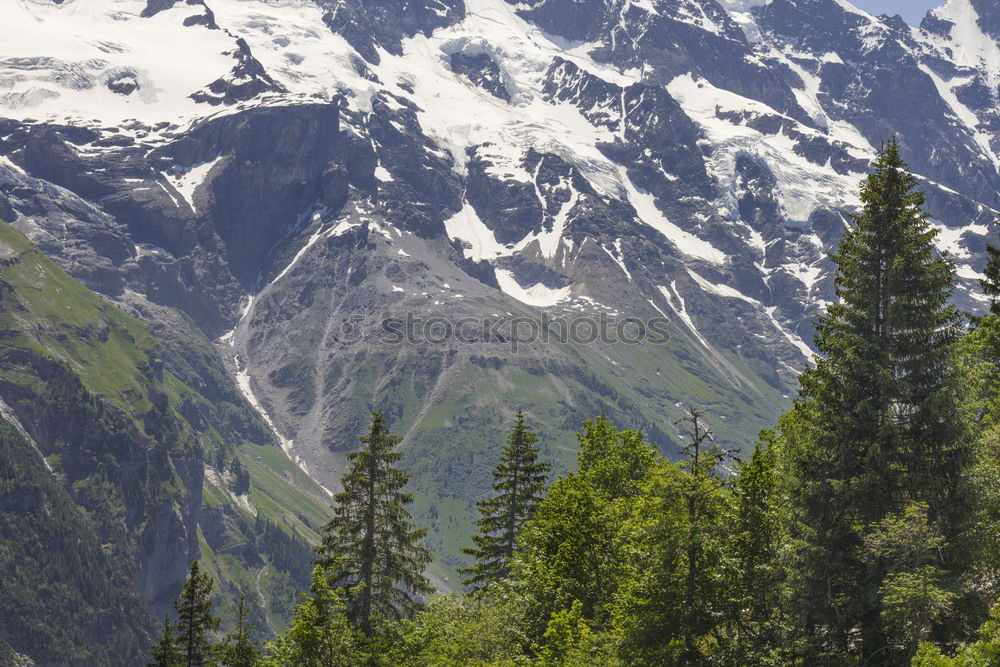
[(983, 652), (914, 594), (980, 367), (460, 630), (518, 482), (671, 607), (569, 642), (374, 552), (874, 426), (320, 634), (195, 621), (238, 648), (616, 462), (166, 651), (576, 548)]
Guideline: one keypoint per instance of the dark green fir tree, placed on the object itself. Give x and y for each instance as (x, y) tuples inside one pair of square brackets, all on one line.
[(375, 554), (518, 482), (166, 651), (704, 504), (990, 282), (195, 621), (875, 426), (238, 648)]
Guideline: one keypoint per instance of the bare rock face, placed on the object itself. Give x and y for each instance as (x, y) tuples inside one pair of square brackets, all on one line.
[(247, 80)]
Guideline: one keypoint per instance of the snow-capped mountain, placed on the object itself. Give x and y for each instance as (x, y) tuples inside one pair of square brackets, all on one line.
[(288, 173)]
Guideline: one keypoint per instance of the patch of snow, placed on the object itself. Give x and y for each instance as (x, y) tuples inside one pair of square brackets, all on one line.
[(618, 258), (343, 227), (244, 382), (681, 310), (537, 295), (188, 180), (741, 12), (467, 227), (950, 239), (969, 46), (689, 244), (730, 293), (549, 241), (302, 251), (56, 68), (967, 272), (964, 115)]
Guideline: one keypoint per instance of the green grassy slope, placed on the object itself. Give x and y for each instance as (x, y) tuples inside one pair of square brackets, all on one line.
[(155, 459)]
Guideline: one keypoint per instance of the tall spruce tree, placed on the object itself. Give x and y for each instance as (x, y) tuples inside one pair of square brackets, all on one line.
[(519, 482), (238, 648), (990, 282), (757, 538), (875, 424), (195, 621), (370, 545), (704, 505), (166, 651)]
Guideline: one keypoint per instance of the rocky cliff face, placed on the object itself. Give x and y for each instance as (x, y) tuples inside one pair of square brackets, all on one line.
[(310, 182)]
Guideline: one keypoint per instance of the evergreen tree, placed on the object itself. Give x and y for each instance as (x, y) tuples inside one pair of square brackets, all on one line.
[(874, 426), (166, 652), (757, 537), (238, 649), (195, 621), (371, 546), (990, 282), (703, 458), (518, 481)]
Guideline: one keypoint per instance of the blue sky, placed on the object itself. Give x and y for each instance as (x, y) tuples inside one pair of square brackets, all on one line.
[(911, 10)]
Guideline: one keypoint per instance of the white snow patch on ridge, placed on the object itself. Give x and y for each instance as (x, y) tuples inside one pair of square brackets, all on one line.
[(730, 293), (187, 181), (963, 113), (681, 311), (467, 227), (741, 12), (969, 46), (645, 206), (537, 295)]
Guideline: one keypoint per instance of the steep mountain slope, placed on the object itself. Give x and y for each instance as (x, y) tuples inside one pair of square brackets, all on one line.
[(305, 177), (116, 472)]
